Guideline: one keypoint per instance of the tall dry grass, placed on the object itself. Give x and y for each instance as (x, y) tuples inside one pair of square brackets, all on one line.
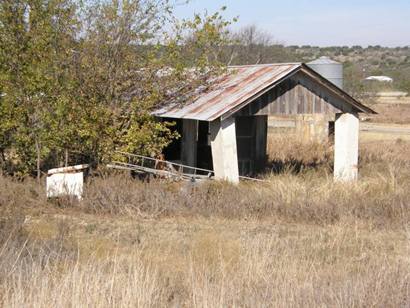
[(297, 240), (391, 113), (335, 266)]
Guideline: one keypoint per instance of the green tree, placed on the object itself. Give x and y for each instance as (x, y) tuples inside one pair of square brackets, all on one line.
[(125, 69), (34, 39), (353, 76), (83, 78)]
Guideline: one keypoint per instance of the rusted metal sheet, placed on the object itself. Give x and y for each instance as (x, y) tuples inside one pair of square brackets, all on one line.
[(265, 90), (241, 84)]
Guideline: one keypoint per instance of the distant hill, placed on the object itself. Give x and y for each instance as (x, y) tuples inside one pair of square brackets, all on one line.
[(362, 62), (358, 62)]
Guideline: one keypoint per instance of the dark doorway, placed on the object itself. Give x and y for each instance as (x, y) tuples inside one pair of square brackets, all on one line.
[(331, 131), (204, 152), (173, 151), (245, 141)]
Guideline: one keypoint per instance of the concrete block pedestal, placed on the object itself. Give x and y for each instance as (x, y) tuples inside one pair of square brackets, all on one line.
[(66, 181)]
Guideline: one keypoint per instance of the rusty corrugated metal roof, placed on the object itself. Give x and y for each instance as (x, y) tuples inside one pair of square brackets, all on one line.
[(240, 84), (237, 88)]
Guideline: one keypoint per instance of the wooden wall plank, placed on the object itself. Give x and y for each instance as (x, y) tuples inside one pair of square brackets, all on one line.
[(298, 94)]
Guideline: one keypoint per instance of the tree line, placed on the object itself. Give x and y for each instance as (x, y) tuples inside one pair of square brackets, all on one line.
[(78, 79)]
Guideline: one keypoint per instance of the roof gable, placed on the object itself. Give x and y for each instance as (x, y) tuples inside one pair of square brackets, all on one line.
[(297, 94), (241, 86)]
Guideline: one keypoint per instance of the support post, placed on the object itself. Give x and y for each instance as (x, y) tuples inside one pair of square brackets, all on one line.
[(224, 151), (189, 143), (346, 147)]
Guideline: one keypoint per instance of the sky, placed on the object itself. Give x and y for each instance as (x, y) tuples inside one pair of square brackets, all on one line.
[(317, 22)]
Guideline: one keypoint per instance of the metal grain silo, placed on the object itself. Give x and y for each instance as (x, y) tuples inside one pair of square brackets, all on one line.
[(331, 70)]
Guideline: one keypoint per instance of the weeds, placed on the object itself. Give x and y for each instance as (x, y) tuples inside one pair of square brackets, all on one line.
[(296, 240)]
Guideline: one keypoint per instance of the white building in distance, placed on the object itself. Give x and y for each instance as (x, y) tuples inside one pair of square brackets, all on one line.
[(379, 78)]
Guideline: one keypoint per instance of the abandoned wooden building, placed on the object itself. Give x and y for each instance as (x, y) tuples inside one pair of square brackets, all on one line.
[(225, 129)]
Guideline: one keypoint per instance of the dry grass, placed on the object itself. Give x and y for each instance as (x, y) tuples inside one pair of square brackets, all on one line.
[(391, 113), (297, 240), (209, 263), (287, 153)]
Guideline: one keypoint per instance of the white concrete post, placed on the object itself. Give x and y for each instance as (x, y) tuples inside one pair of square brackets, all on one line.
[(189, 143), (346, 147), (224, 151)]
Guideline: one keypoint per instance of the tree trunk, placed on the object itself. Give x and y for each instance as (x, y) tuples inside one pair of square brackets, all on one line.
[(66, 158), (38, 148), (3, 162)]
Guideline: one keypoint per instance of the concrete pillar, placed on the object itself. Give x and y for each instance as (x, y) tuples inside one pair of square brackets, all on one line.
[(224, 151), (261, 135), (189, 143), (346, 147)]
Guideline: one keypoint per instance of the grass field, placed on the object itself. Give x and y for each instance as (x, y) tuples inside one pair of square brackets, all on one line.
[(384, 132), (394, 113), (297, 240), (392, 122)]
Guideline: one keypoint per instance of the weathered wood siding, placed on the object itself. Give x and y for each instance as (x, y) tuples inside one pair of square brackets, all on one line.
[(298, 94)]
